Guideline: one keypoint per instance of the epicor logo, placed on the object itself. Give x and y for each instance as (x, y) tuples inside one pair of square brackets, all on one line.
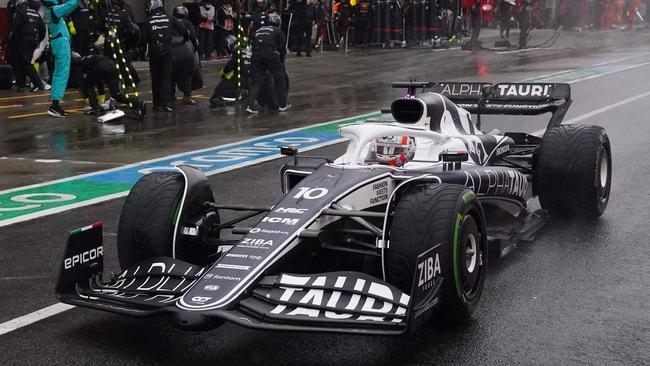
[(84, 257)]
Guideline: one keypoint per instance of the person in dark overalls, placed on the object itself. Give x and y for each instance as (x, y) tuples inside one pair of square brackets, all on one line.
[(302, 24), (525, 18), (157, 34), (504, 12), (362, 23), (79, 26), (26, 32), (183, 48), (269, 51), (476, 17)]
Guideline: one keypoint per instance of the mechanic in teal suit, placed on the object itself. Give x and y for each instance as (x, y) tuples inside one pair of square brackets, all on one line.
[(60, 46)]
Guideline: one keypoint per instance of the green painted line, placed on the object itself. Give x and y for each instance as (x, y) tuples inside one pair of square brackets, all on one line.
[(33, 200)]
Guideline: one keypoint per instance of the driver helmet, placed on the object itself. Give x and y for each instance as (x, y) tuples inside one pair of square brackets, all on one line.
[(394, 150)]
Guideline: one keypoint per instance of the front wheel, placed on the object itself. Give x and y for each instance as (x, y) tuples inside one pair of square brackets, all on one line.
[(438, 243), (149, 214)]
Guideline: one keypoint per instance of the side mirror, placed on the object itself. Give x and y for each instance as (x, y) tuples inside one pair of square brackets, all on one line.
[(288, 150)]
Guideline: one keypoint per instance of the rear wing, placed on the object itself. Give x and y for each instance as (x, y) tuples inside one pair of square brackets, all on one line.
[(502, 98)]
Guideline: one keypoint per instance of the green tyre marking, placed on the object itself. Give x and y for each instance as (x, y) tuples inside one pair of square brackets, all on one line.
[(454, 249)]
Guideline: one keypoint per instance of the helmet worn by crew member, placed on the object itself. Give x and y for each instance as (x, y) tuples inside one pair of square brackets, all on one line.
[(180, 12)]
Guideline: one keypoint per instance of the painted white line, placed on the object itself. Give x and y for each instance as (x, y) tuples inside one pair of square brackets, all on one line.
[(546, 76), (597, 111), (522, 50), (30, 318), (14, 278), (609, 72)]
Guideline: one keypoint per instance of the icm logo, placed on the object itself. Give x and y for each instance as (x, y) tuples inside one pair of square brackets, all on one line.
[(211, 288), (201, 299), (291, 210), (84, 257), (281, 220)]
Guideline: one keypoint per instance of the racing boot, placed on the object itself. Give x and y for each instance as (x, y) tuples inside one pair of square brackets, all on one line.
[(253, 108), (38, 88), (140, 109), (94, 111), (217, 102), (284, 108), (188, 100), (55, 110), (163, 108)]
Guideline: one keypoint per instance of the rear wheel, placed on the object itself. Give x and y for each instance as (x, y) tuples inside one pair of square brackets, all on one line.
[(149, 214), (573, 172), (450, 218)]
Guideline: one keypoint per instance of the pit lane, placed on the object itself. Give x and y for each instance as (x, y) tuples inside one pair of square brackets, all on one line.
[(578, 294)]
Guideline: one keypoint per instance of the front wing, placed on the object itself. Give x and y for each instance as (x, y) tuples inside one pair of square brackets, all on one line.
[(341, 302)]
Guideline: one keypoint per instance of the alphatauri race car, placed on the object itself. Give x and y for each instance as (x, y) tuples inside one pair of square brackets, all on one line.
[(393, 234)]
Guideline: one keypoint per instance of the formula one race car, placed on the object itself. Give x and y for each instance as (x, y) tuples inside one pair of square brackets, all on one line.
[(393, 234)]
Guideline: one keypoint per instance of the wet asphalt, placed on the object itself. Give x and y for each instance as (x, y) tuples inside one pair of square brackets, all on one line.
[(577, 295)]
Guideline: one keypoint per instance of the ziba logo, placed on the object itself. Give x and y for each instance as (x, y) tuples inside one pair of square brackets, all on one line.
[(428, 269), (256, 242)]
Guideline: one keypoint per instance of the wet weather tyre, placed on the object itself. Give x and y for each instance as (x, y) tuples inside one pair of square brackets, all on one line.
[(573, 172), (146, 227), (449, 216)]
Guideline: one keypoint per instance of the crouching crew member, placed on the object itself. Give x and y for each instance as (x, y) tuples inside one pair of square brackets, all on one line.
[(269, 50), (93, 70), (228, 91)]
